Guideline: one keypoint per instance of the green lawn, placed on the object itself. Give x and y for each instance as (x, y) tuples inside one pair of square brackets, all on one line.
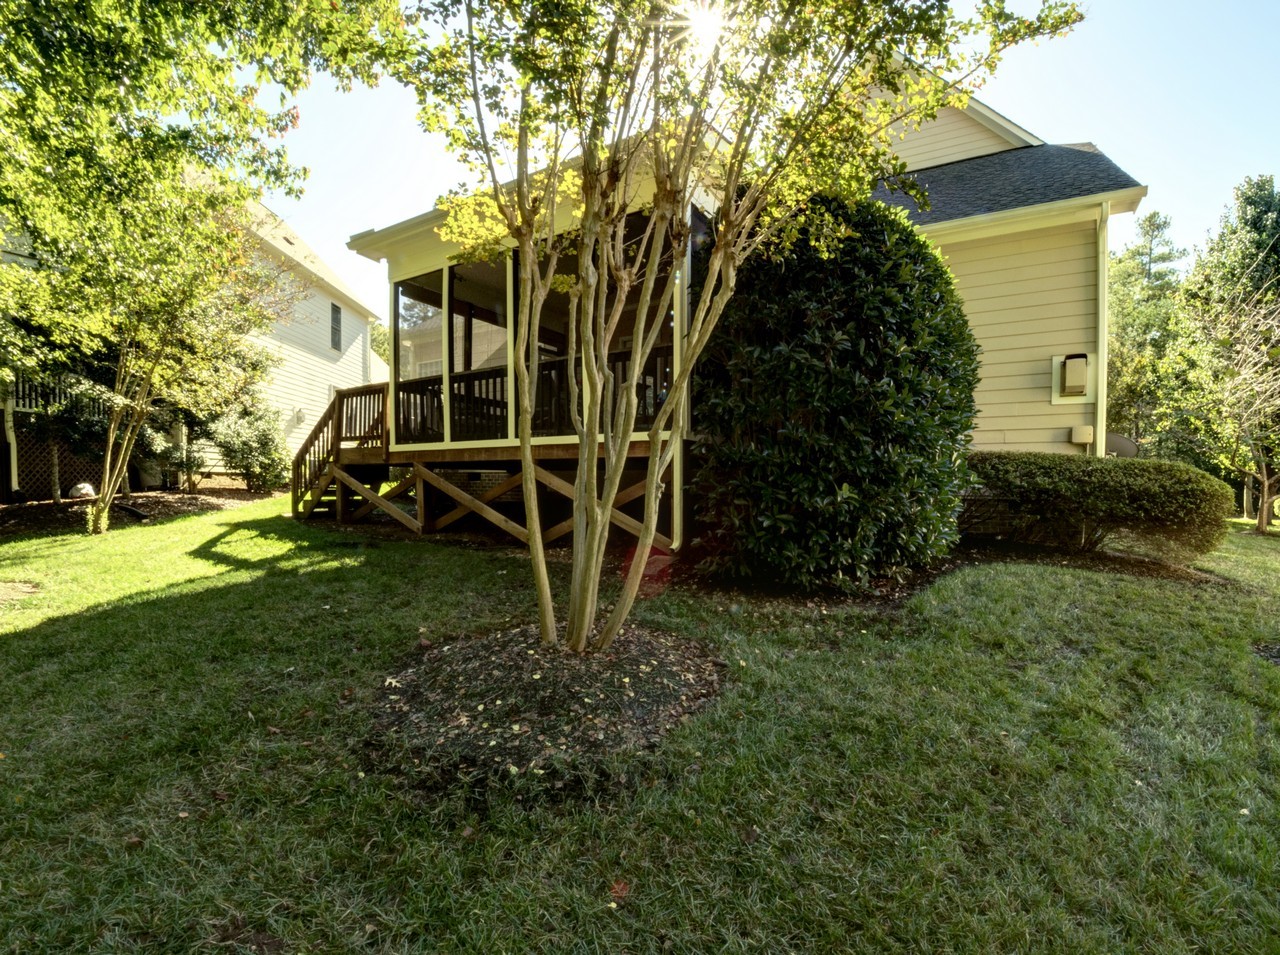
[(1023, 758)]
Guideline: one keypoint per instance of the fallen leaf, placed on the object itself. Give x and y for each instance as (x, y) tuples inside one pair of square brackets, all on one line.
[(133, 842), (273, 730), (183, 815), (619, 890), (221, 796)]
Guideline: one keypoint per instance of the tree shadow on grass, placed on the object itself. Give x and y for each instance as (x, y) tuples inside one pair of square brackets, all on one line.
[(195, 668)]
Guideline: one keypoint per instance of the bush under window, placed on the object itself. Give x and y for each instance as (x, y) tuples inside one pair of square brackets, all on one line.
[(1166, 509)]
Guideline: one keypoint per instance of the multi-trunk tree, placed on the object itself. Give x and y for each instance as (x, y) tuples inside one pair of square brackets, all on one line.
[(130, 136), (577, 114)]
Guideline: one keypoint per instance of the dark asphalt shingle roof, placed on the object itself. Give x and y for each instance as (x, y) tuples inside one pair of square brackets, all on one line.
[(1013, 179)]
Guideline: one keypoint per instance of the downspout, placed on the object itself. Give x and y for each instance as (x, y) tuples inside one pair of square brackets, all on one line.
[(1104, 264)]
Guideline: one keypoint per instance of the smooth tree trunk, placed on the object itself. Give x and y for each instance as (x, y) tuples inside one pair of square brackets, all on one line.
[(530, 312), (55, 478), (1267, 479), (122, 430)]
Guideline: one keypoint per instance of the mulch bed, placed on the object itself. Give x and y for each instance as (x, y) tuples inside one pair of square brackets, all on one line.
[(45, 517), (505, 710)]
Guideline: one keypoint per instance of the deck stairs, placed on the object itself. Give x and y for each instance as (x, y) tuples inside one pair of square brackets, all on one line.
[(355, 418)]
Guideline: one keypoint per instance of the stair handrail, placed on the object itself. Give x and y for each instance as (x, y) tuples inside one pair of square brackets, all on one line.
[(323, 428)]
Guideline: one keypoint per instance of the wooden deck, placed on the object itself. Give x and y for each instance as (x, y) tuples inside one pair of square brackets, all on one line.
[(344, 467)]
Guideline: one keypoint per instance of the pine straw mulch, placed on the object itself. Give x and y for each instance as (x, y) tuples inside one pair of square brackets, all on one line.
[(505, 711)]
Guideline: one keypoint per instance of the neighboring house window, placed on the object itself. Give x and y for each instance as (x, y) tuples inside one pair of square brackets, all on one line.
[(335, 326), (430, 369)]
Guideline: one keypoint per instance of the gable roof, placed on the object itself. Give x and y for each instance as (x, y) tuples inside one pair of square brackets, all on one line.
[(281, 239), (1012, 179)]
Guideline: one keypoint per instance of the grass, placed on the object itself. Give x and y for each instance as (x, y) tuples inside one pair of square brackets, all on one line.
[(1023, 757)]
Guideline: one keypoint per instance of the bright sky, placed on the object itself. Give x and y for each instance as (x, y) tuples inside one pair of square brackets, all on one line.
[(1177, 92)]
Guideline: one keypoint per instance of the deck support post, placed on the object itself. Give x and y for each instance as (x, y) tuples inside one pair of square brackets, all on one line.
[(340, 495)]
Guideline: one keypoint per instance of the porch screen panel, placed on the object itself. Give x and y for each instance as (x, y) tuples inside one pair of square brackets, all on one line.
[(419, 365), (478, 380), (549, 364)]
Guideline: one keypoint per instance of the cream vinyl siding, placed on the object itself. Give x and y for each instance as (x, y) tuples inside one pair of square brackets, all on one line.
[(1028, 297), (953, 136), (310, 368)]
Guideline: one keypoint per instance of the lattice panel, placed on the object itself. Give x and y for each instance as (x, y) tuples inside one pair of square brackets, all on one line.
[(34, 464)]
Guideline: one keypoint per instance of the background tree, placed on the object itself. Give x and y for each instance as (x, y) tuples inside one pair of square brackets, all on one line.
[(1233, 411), (380, 341), (111, 116), (1227, 364), (1142, 288), (1242, 262), (577, 113)]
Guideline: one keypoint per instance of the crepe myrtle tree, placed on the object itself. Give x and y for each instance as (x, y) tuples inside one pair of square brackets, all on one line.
[(172, 284), (575, 113)]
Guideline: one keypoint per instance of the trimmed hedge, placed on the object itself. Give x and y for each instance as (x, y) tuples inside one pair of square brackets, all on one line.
[(833, 406), (1078, 503)]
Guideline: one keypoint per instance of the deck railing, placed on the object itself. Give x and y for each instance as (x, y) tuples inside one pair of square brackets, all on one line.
[(312, 461), (363, 414), (551, 394), (478, 402), (355, 416), (420, 411)]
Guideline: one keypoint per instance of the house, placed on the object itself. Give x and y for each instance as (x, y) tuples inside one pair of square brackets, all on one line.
[(1023, 226), (1022, 223), (323, 346)]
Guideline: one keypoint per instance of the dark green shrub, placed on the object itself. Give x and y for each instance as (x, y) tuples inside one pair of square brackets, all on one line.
[(252, 444), (833, 406), (1078, 503)]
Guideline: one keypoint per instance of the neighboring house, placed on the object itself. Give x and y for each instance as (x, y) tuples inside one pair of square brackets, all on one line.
[(323, 346), (1022, 224)]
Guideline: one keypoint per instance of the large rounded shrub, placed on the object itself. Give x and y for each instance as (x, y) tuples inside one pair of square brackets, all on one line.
[(834, 404)]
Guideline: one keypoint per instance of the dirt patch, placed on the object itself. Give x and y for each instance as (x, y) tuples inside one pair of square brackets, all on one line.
[(16, 590), (45, 517), (503, 710), (1107, 562), (236, 933), (1268, 651)]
